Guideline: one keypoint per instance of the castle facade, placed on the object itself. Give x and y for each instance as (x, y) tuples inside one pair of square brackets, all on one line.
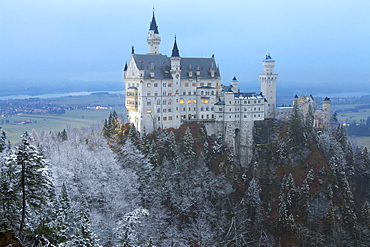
[(164, 92)]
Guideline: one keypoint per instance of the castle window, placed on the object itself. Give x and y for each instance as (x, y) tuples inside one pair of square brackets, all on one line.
[(198, 72), (212, 108), (155, 84), (164, 118), (207, 116), (212, 92), (164, 93), (245, 102), (148, 94), (220, 116), (195, 101), (170, 102), (170, 84), (189, 93), (207, 108), (259, 108), (220, 109), (189, 101), (164, 102), (195, 93), (155, 94), (202, 108), (186, 84), (169, 110), (170, 118), (189, 109), (249, 101), (255, 102), (205, 101), (201, 92), (158, 110), (202, 117), (158, 102), (149, 102), (184, 93), (230, 102), (230, 116), (245, 116), (177, 91), (209, 84), (202, 84), (182, 101), (190, 73), (149, 111), (151, 74), (194, 84), (148, 85), (159, 118), (164, 110), (207, 93), (230, 109), (213, 116), (245, 109), (164, 84), (254, 108)]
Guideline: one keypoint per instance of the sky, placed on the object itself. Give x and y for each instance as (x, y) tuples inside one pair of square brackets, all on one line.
[(314, 42)]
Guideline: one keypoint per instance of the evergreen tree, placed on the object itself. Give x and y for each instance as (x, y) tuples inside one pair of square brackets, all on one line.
[(83, 237), (296, 128), (188, 143), (309, 120), (105, 130), (3, 145), (34, 179)]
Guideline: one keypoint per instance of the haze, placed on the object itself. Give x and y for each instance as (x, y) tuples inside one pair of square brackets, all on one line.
[(319, 43)]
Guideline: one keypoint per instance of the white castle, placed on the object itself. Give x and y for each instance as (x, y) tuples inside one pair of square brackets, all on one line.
[(165, 92)]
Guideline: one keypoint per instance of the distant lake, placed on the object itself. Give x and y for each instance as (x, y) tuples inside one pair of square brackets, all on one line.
[(56, 95)]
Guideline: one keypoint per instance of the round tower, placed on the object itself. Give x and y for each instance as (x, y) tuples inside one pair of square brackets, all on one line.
[(326, 110), (268, 82), (153, 38)]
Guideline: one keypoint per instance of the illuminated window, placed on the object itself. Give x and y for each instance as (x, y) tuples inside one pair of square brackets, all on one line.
[(170, 118), (169, 102), (205, 101), (189, 101), (195, 101), (148, 111), (194, 84), (169, 93), (148, 85), (186, 84), (170, 84), (212, 101), (182, 101)]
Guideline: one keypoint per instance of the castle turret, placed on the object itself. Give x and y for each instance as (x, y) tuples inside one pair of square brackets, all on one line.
[(234, 84), (268, 86), (326, 110), (153, 38), (175, 57)]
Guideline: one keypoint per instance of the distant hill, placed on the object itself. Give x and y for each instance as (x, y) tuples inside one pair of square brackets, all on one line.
[(36, 88)]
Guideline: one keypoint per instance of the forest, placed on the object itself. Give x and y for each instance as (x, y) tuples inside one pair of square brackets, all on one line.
[(110, 185)]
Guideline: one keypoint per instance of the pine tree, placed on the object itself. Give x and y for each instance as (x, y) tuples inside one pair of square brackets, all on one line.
[(105, 131), (296, 127), (10, 196), (3, 145), (253, 200), (309, 120), (188, 143), (83, 237), (34, 179)]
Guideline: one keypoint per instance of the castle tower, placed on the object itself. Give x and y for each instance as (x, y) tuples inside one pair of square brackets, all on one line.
[(326, 109), (268, 86), (175, 57), (153, 38), (234, 84)]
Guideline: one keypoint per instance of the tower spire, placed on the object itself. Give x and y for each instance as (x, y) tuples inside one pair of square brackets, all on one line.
[(175, 50), (153, 25)]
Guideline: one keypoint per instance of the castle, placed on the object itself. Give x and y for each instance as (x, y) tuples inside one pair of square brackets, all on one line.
[(165, 92)]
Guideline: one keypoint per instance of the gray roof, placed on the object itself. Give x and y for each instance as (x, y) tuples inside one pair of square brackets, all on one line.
[(161, 66)]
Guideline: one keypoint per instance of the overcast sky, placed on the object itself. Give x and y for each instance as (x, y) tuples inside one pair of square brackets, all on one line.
[(312, 41)]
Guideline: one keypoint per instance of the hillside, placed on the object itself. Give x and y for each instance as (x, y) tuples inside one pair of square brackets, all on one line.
[(180, 187)]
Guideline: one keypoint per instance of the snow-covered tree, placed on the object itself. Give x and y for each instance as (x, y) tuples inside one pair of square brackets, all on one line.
[(34, 179), (188, 143)]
